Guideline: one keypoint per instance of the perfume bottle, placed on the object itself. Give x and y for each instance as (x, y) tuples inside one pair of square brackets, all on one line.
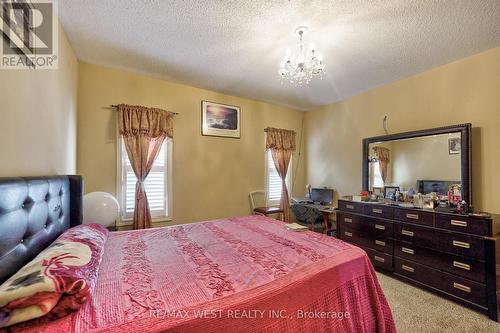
[(465, 207), (418, 200)]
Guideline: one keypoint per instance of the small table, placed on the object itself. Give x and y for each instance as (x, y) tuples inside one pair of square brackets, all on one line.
[(309, 214), (326, 217)]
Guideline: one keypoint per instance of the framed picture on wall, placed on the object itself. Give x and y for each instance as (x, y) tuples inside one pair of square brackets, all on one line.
[(220, 120), (454, 145)]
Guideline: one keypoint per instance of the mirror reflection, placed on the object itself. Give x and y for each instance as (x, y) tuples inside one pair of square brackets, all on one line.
[(426, 164)]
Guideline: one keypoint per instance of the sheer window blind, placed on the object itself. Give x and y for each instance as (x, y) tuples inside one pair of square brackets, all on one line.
[(376, 179), (155, 184), (274, 181)]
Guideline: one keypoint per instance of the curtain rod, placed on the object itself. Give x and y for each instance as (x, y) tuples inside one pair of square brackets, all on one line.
[(116, 107)]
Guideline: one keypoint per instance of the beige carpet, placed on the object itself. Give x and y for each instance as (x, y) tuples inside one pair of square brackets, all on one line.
[(416, 310)]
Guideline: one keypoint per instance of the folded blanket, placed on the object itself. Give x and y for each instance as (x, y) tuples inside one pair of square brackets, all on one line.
[(58, 281)]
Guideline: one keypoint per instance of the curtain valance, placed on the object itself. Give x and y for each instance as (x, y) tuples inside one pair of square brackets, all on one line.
[(280, 139), (382, 153), (136, 119)]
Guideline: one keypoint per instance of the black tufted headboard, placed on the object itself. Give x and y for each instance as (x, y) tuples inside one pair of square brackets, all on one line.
[(34, 211)]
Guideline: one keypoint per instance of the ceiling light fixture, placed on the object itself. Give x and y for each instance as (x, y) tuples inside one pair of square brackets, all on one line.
[(299, 68)]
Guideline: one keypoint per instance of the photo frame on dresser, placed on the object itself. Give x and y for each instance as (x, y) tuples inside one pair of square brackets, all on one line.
[(390, 191)]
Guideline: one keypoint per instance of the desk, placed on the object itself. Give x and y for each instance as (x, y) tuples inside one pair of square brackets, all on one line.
[(311, 214), (326, 217)]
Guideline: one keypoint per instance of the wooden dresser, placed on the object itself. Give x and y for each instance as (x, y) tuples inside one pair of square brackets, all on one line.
[(452, 255)]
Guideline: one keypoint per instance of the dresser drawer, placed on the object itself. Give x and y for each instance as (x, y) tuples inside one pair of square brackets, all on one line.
[(350, 206), (463, 224), (414, 216), (462, 245), (471, 291), (375, 227), (413, 271), (364, 225), (414, 253), (379, 211), (413, 234), (348, 220), (367, 240), (385, 245), (351, 236), (379, 259), (465, 267)]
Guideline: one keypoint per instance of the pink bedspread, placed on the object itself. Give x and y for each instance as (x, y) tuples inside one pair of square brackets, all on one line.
[(246, 274)]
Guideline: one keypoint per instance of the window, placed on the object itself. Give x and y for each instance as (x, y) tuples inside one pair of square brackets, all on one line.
[(376, 177), (273, 180), (156, 184)]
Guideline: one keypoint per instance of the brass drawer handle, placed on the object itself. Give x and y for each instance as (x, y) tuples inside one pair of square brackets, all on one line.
[(379, 259), (412, 216), (408, 268), (407, 233), (459, 223), (381, 243), (461, 287), (349, 206), (461, 244), (379, 226), (377, 211), (461, 265), (348, 220), (347, 233), (407, 250)]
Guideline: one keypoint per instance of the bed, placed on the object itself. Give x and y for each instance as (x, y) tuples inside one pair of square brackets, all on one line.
[(229, 275)]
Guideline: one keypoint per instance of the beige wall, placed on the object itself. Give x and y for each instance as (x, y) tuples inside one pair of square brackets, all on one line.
[(38, 118), (211, 176), (463, 91)]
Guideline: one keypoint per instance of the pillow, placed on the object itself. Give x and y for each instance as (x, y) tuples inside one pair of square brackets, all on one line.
[(58, 281)]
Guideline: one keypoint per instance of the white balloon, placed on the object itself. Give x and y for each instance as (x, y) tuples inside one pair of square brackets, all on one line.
[(100, 207)]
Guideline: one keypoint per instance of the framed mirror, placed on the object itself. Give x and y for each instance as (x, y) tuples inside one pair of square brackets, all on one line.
[(433, 160)]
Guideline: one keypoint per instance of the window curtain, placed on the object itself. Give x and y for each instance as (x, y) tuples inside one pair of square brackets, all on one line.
[(281, 142), (144, 130), (382, 155)]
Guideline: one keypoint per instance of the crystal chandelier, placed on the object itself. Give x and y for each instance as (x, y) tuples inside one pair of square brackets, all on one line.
[(300, 67)]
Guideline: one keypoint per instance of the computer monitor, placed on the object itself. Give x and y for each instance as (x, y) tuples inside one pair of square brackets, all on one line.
[(438, 186), (322, 195)]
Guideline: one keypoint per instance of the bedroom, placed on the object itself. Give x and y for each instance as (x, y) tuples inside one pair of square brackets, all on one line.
[(439, 66)]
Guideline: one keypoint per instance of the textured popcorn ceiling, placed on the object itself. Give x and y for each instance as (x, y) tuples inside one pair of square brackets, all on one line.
[(235, 46)]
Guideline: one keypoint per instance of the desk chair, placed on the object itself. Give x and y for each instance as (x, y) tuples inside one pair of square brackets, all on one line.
[(258, 204)]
